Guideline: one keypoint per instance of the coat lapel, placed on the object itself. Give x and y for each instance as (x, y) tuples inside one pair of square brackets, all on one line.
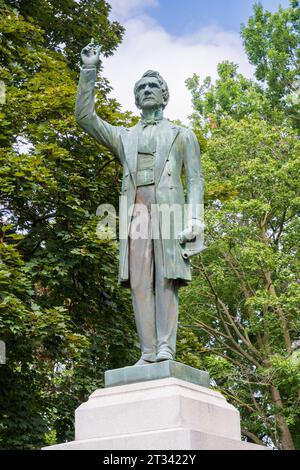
[(166, 135), (130, 143)]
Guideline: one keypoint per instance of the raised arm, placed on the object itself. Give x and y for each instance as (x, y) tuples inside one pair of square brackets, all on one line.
[(86, 117)]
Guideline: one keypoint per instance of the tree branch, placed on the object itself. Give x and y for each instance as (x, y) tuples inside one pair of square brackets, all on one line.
[(218, 301), (253, 438)]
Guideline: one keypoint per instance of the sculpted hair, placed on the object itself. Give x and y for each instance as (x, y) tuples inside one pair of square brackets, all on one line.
[(161, 81)]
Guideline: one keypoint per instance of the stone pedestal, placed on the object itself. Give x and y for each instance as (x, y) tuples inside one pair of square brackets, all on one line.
[(166, 413)]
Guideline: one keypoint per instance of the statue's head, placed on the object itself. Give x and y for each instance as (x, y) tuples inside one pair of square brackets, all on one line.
[(151, 91)]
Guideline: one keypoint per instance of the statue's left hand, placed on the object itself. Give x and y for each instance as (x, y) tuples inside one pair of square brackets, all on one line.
[(194, 228)]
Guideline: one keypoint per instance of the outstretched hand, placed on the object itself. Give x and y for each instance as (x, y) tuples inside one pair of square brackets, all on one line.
[(90, 54)]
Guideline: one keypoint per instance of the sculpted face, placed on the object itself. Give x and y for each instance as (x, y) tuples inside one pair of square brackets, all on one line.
[(149, 93)]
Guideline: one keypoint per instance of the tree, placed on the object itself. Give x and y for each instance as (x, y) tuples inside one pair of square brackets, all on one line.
[(244, 300), (62, 315), (68, 25), (272, 44), (231, 95), (245, 296)]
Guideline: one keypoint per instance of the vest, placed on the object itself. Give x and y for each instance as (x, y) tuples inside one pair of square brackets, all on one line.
[(146, 156)]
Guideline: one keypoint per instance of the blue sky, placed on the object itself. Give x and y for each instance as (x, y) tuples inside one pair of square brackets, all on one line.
[(177, 38), (185, 16)]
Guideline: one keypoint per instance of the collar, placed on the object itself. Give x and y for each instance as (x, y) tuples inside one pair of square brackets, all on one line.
[(151, 122)]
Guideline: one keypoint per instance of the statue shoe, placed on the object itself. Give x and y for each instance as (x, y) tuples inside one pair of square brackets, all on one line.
[(142, 362), (164, 356)]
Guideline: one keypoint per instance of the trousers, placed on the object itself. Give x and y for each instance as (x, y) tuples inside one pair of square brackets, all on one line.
[(154, 298)]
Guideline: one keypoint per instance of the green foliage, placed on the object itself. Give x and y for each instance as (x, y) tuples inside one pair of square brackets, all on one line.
[(232, 94), (244, 300), (62, 315), (69, 25), (243, 303), (272, 44)]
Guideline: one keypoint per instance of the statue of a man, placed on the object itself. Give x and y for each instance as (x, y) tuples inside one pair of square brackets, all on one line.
[(152, 154)]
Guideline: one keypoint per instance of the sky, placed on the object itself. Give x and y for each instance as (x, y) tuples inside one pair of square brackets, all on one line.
[(178, 38)]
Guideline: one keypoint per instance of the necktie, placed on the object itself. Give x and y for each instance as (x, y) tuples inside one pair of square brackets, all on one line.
[(150, 122)]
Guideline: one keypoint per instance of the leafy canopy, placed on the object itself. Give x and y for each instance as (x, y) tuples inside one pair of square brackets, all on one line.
[(243, 304)]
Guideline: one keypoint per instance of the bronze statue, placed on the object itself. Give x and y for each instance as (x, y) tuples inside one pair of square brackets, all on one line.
[(152, 154)]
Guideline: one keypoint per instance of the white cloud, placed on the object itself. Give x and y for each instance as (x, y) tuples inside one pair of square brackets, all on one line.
[(124, 9), (146, 45)]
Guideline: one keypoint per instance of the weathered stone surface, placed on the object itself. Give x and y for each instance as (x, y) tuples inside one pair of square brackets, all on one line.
[(170, 439), (157, 370), (155, 405), (168, 414)]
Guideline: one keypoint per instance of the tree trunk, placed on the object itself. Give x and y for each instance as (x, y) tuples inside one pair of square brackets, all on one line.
[(281, 314), (271, 289), (286, 440)]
